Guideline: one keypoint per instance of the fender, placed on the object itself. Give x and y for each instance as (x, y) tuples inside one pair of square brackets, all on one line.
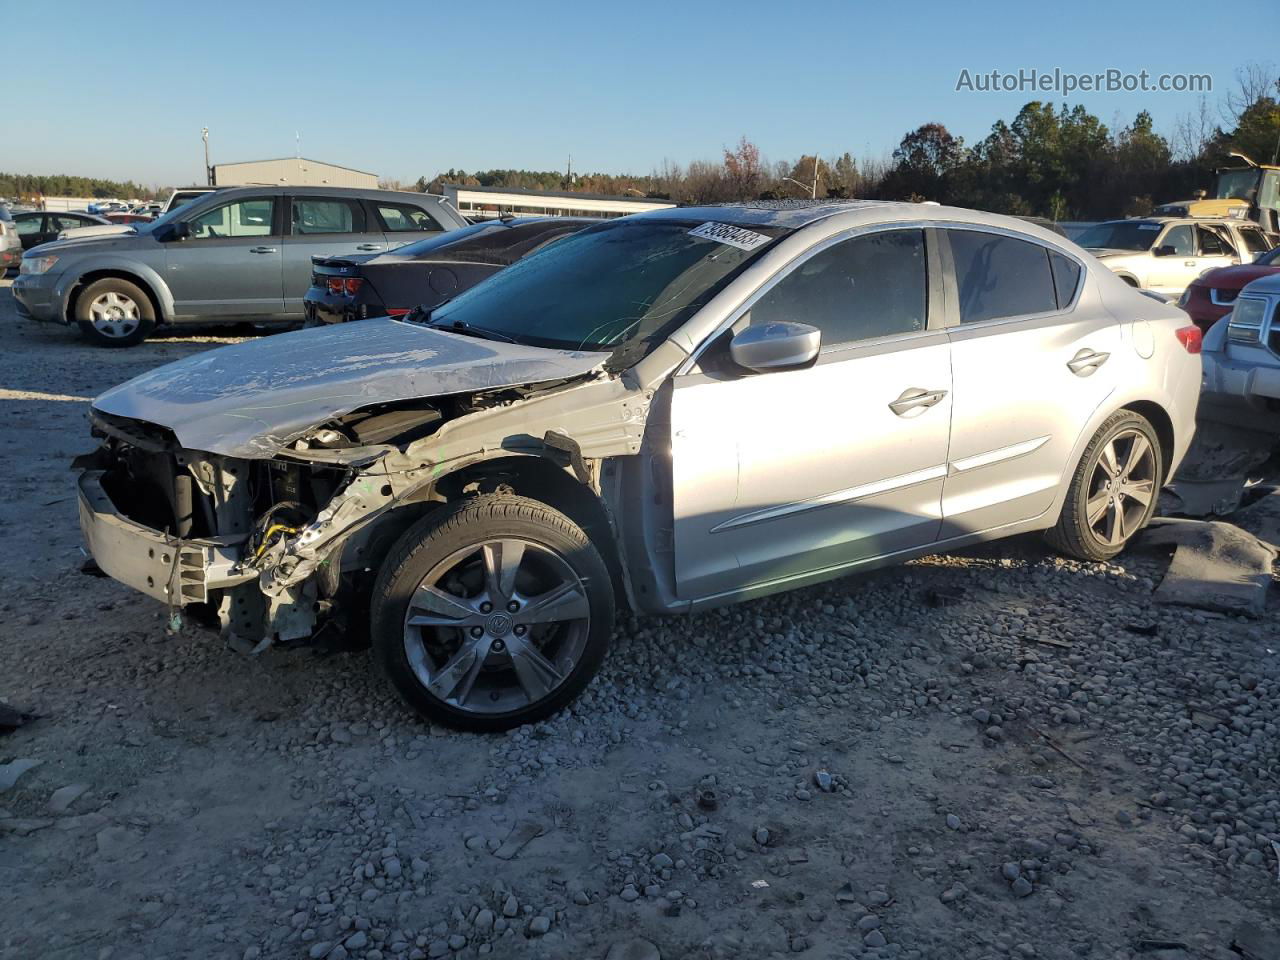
[(117, 264)]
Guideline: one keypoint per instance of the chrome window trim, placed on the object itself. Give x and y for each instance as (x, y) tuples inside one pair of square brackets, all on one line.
[(785, 270)]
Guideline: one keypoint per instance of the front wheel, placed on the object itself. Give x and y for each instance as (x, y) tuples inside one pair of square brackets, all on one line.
[(493, 614), (114, 313), (1114, 490)]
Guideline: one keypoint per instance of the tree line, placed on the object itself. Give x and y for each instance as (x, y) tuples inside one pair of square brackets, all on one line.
[(1060, 162), (29, 185)]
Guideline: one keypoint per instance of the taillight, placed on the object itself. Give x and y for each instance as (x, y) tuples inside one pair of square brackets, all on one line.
[(397, 311), (1190, 337), (352, 284), (335, 285)]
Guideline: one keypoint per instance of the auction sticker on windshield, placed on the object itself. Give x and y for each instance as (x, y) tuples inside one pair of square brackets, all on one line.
[(733, 236)]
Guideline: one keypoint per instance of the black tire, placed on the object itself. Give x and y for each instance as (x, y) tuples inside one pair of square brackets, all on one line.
[(435, 539), (128, 333), (1074, 535)]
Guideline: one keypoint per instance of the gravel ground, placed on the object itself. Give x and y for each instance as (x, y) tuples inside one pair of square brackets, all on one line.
[(996, 754)]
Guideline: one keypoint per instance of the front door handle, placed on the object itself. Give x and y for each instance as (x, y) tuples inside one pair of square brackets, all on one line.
[(915, 401), (1188, 263), (369, 246), (1086, 362), (262, 249)]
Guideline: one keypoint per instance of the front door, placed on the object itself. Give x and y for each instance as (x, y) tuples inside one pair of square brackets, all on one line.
[(781, 474), (229, 266), (1031, 363), (323, 226)]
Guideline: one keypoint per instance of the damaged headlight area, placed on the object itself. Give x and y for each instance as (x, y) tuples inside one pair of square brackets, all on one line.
[(243, 542)]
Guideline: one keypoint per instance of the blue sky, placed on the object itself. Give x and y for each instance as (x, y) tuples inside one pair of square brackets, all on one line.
[(409, 89)]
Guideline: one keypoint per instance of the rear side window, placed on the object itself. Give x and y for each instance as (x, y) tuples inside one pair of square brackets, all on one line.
[(403, 218), (1000, 277), (869, 286), (1066, 277), (1212, 245), (28, 225), (1254, 241), (326, 215)]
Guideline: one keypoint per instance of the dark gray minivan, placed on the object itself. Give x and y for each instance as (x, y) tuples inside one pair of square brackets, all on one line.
[(240, 253)]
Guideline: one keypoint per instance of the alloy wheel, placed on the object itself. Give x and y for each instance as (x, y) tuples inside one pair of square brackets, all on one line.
[(1122, 487), (497, 626), (114, 315)]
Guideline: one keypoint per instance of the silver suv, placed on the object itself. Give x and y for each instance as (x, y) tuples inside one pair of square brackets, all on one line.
[(232, 255), (671, 411), (1242, 360)]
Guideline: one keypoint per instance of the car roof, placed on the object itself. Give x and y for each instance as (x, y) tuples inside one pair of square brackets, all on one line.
[(277, 188), (764, 213)]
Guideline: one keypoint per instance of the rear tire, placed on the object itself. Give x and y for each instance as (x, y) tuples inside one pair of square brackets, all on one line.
[(492, 613), (114, 313), (1114, 490)]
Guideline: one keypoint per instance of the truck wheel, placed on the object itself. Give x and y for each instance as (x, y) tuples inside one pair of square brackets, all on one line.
[(493, 613), (1114, 490), (114, 313)]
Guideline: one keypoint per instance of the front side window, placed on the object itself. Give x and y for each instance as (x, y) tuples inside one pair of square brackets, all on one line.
[(1000, 276), (402, 218), (327, 215), (623, 283), (869, 286), (1181, 239), (243, 218)]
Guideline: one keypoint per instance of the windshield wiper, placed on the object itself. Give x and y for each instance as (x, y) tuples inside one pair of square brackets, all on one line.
[(461, 326)]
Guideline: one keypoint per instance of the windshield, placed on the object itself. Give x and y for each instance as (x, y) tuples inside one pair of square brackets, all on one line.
[(447, 239), (1120, 235), (1237, 184), (623, 282)]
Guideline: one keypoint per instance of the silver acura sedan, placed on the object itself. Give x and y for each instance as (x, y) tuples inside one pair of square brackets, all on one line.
[(671, 411)]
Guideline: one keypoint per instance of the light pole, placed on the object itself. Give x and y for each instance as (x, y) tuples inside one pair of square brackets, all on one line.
[(811, 187), (208, 170)]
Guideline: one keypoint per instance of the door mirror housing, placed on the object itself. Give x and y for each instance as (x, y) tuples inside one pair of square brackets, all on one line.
[(781, 345), (1164, 251), (176, 231)]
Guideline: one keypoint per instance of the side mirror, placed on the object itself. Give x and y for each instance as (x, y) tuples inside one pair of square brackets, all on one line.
[(176, 231), (776, 346), (1165, 251)]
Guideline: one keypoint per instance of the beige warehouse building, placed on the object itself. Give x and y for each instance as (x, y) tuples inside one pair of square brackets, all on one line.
[(291, 171)]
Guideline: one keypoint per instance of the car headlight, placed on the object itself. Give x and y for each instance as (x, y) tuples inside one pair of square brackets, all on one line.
[(1244, 323), (37, 264)]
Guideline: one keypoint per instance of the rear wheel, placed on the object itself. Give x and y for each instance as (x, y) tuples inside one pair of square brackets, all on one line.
[(1114, 490), (494, 614), (114, 313)]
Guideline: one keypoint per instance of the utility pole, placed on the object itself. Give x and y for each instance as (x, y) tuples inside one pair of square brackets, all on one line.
[(811, 187), (208, 170), (568, 172)]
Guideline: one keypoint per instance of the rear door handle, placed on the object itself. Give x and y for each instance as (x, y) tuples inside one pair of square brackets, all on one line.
[(1086, 362), (1188, 263), (369, 246), (262, 249), (915, 401)]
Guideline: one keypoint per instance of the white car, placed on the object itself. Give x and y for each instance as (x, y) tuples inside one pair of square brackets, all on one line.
[(1165, 254)]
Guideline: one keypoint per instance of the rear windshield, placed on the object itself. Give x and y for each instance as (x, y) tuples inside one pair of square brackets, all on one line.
[(621, 283), (492, 242), (1120, 235)]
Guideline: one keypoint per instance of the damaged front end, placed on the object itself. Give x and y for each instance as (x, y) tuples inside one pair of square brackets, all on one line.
[(270, 548)]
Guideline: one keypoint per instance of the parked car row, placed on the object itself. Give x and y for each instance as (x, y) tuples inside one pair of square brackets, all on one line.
[(668, 412), (228, 256)]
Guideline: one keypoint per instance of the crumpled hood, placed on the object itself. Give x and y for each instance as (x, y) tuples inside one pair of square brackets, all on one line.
[(251, 399)]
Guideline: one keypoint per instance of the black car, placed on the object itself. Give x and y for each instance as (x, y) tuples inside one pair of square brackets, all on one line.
[(426, 273), (41, 226)]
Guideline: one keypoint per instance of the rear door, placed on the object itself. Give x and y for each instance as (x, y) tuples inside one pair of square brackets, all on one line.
[(230, 264), (323, 226), (1030, 366)]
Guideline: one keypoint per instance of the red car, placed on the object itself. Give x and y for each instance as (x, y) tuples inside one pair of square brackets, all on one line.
[(128, 217), (1211, 295)]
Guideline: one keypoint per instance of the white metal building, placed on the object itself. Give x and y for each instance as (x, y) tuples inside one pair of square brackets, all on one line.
[(291, 171), (480, 203)]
